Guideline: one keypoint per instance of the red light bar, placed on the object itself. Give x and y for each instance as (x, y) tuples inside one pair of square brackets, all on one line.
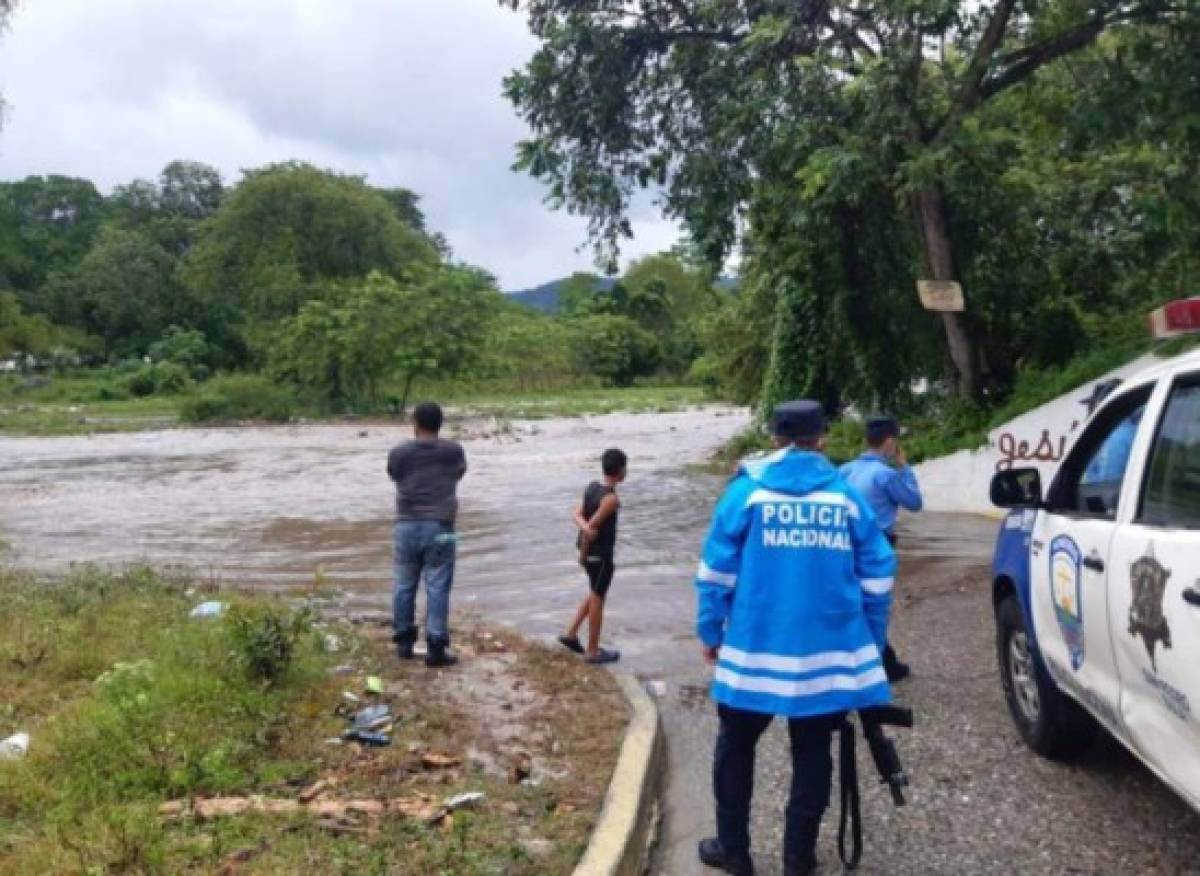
[(1175, 318)]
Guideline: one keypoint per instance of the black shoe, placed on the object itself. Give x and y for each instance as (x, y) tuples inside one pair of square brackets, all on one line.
[(404, 651), (571, 643), (438, 656), (791, 867), (712, 855), (896, 670)]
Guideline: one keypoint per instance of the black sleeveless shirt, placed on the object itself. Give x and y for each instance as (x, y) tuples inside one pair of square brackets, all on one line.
[(606, 538)]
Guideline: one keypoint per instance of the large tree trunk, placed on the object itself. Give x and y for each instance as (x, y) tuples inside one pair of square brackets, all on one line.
[(939, 260)]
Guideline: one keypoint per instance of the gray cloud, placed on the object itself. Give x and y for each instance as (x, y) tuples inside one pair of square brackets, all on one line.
[(407, 92)]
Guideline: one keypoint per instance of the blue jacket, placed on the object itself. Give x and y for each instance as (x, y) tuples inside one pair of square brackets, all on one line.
[(795, 586), (886, 488)]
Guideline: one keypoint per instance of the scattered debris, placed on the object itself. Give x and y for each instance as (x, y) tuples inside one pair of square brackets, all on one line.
[(209, 609), (468, 800), (313, 791), (657, 688), (537, 848), (14, 747), (333, 643), (367, 738), (373, 717), (374, 684), (421, 807), (434, 760), (521, 767)]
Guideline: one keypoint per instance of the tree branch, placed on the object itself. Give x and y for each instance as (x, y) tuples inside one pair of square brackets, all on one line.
[(1030, 58)]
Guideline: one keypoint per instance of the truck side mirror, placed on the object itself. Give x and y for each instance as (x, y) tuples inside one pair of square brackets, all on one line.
[(1017, 488)]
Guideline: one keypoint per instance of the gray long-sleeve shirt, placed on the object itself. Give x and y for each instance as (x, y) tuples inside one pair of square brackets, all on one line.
[(426, 472)]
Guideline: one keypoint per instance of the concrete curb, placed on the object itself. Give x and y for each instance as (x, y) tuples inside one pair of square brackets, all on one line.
[(620, 843)]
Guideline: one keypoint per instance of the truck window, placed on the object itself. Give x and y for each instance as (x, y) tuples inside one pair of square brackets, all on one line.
[(1089, 483), (1171, 496)]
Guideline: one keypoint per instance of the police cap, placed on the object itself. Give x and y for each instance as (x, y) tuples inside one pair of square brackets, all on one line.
[(882, 427), (798, 419)]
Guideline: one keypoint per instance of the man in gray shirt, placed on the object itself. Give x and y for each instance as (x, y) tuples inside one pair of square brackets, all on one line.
[(426, 472)]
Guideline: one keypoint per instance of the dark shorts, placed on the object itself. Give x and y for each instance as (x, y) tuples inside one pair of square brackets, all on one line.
[(600, 574)]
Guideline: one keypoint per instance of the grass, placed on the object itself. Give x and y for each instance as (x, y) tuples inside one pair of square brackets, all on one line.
[(81, 404), (130, 704)]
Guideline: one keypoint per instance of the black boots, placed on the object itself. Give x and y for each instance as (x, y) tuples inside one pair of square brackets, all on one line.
[(437, 655), (799, 868), (712, 855), (896, 671)]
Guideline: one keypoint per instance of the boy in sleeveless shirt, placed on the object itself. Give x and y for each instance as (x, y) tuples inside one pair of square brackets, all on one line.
[(596, 518)]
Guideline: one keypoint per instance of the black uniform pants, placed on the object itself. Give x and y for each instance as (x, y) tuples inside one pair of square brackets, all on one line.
[(733, 779)]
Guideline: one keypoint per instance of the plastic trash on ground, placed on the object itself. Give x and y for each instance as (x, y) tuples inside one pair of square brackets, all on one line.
[(465, 801), (373, 717), (367, 738), (14, 747), (209, 609), (374, 684)]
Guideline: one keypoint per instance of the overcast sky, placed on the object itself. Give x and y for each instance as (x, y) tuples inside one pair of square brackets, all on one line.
[(406, 92)]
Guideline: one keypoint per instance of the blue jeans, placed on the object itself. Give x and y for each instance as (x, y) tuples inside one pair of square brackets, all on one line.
[(423, 546), (733, 779)]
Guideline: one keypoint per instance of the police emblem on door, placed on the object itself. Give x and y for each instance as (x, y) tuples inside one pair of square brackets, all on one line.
[(1146, 619), (1067, 595)]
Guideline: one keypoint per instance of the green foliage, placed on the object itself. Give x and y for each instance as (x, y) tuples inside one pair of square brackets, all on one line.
[(188, 348), (530, 349), (158, 378), (432, 322), (867, 147), (123, 291), (615, 348), (238, 397), (285, 236), (265, 638)]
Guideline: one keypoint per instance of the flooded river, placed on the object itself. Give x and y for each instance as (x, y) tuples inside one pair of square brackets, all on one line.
[(269, 507), (276, 507)]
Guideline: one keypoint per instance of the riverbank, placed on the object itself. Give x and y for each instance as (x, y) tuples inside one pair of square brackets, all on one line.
[(80, 406), (162, 742)]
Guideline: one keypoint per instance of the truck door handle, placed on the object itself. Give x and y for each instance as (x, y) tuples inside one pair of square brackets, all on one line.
[(1191, 596), (1094, 563)]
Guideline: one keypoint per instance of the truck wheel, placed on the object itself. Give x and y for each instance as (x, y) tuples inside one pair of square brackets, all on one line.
[(1051, 724)]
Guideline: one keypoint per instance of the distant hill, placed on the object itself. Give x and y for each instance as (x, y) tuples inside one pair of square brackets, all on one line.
[(545, 297)]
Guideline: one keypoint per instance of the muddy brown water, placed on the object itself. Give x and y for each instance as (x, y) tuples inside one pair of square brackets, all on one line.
[(274, 508)]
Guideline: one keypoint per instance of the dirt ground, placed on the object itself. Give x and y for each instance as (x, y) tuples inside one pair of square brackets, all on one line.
[(980, 801)]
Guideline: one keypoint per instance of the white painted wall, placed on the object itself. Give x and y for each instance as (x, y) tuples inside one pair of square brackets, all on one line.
[(1039, 438)]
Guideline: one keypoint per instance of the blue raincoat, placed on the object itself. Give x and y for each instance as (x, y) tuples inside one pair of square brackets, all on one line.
[(795, 587)]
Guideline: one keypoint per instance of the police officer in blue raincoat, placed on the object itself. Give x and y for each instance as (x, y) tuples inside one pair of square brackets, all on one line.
[(794, 590), (883, 477)]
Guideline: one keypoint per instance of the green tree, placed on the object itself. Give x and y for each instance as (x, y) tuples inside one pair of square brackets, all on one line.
[(288, 234), (46, 224), (123, 291), (431, 323), (530, 348), (578, 294), (171, 209), (615, 348), (697, 96)]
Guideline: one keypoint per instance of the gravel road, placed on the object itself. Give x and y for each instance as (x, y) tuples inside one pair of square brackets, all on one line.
[(980, 801)]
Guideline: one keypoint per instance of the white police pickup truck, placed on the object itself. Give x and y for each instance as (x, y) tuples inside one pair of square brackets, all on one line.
[(1096, 581)]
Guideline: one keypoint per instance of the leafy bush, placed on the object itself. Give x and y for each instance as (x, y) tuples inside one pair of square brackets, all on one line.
[(160, 378), (186, 347), (239, 397), (264, 639)]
